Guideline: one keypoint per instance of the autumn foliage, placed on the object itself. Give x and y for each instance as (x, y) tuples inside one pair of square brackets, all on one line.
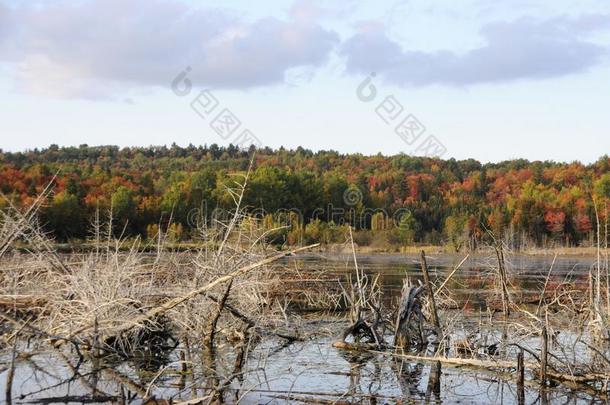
[(449, 201)]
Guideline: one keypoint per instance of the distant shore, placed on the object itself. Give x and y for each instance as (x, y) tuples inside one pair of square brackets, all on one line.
[(434, 249), (80, 247)]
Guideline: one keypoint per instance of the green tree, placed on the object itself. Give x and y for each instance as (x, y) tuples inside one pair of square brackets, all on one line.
[(124, 207), (334, 189), (405, 231), (267, 189), (602, 186), (201, 192), (456, 231), (65, 217), (175, 202)]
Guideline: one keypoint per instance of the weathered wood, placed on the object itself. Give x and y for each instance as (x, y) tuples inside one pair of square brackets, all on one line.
[(312, 400), (434, 382), (194, 401), (409, 308), (544, 356), (209, 339), (341, 344), (8, 394), (358, 330), (22, 301), (365, 310), (546, 283), (503, 280), (183, 370), (424, 269), (502, 364), (520, 379), (240, 361)]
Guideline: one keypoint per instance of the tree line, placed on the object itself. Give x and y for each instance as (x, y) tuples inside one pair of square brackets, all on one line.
[(390, 200)]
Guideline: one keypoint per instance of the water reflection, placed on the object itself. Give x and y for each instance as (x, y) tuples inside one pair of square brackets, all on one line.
[(274, 371), (471, 287), (305, 370)]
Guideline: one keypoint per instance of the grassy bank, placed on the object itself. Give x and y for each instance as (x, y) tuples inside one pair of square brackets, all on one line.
[(339, 248)]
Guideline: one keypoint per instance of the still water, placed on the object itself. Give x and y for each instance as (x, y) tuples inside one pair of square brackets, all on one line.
[(471, 285), (313, 371)]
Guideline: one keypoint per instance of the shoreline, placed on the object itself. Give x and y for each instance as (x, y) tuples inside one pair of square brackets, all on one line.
[(590, 252), (446, 250)]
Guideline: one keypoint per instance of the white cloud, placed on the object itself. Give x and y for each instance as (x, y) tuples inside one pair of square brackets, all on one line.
[(521, 49), (102, 48), (111, 48)]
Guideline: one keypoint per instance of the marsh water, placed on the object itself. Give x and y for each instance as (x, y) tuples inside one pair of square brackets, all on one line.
[(470, 286), (313, 371)]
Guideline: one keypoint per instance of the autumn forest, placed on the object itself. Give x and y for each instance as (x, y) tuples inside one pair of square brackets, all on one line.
[(303, 196)]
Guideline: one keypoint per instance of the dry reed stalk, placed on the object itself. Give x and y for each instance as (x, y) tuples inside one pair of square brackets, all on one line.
[(12, 229), (122, 290), (159, 310), (363, 297), (448, 278), (546, 283)]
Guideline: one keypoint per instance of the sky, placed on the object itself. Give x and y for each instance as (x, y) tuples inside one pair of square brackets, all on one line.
[(489, 80)]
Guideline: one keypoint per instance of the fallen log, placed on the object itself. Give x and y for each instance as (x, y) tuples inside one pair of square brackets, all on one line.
[(574, 380), (311, 400), (194, 401), (22, 301), (583, 378), (340, 344)]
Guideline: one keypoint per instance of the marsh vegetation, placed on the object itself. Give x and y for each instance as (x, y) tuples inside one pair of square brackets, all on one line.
[(236, 320)]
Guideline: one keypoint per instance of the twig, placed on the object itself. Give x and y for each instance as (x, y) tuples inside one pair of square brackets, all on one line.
[(179, 300), (439, 289)]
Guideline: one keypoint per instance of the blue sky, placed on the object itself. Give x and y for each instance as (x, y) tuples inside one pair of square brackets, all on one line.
[(490, 80)]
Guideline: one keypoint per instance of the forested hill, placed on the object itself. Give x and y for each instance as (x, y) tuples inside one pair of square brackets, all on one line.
[(447, 201)]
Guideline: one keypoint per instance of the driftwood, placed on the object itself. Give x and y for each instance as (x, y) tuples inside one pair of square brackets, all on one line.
[(503, 280), (428, 284), (342, 344), (520, 378), (41, 333), (434, 382), (409, 310), (361, 329), (410, 318), (22, 301), (365, 329), (11, 372), (194, 401), (311, 400), (575, 381), (543, 356), (409, 325)]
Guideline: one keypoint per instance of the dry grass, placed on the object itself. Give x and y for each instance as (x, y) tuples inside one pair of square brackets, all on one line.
[(119, 300)]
